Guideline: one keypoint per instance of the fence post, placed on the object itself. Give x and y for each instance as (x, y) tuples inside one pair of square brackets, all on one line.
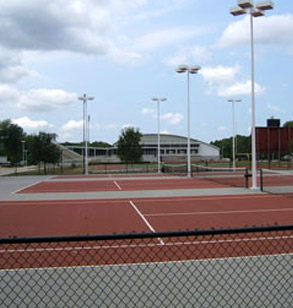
[(261, 179)]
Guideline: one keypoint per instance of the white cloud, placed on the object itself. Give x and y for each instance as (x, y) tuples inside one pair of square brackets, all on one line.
[(45, 99), (156, 8), (124, 56), (148, 111), (173, 118), (239, 88), (89, 27), (128, 126), (55, 25), (72, 124), (165, 37), (12, 68), (8, 94), (223, 81), (274, 30), (170, 118), (15, 73), (220, 74), (275, 108), (32, 126), (197, 54)]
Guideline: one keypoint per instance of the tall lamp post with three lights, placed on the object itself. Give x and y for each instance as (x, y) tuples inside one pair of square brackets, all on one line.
[(188, 70), (84, 99), (254, 10)]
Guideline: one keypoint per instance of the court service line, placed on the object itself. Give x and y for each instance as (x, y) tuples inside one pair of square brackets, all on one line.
[(117, 185), (220, 212), (145, 220)]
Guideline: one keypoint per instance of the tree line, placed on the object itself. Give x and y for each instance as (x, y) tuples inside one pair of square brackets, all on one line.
[(40, 148)]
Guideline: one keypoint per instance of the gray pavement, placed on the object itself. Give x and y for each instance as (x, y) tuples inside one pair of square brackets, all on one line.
[(258, 281)]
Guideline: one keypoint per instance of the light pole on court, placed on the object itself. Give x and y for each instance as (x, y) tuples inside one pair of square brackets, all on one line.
[(233, 101), (188, 70), (257, 10), (84, 99), (159, 100)]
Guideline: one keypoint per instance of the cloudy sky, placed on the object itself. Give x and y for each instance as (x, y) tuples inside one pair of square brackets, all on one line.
[(124, 52)]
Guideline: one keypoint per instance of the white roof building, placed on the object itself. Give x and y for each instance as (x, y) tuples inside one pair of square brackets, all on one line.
[(173, 148)]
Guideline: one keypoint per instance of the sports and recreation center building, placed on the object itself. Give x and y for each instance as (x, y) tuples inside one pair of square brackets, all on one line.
[(173, 148)]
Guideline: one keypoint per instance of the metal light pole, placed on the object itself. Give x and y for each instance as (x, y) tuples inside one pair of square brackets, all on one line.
[(158, 100), (257, 10), (23, 152), (234, 130), (84, 99), (188, 70)]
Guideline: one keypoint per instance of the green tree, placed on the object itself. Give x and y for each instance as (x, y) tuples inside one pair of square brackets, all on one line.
[(225, 145), (41, 148), (129, 149), (288, 124), (242, 145), (100, 144), (11, 137)]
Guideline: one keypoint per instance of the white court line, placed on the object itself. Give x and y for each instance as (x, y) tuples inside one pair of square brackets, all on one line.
[(220, 212), (171, 244), (117, 185), (145, 220)]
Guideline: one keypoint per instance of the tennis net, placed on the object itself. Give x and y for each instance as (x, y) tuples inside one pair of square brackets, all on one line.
[(237, 177), (178, 169), (277, 181)]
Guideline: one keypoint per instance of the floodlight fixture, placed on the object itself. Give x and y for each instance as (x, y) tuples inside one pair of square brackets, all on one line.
[(245, 4), (257, 13), (237, 10), (234, 100), (182, 69), (160, 99), (194, 69), (265, 5), (86, 98)]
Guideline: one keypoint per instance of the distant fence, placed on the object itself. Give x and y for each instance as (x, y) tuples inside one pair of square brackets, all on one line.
[(248, 267)]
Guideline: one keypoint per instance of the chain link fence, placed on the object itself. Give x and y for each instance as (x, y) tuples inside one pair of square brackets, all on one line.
[(248, 267)]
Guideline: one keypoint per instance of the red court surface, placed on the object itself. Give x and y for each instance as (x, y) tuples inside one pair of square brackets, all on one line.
[(124, 185), (45, 218), (75, 217), (278, 180)]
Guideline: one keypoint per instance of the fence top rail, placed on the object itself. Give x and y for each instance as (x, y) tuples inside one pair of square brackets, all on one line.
[(127, 236)]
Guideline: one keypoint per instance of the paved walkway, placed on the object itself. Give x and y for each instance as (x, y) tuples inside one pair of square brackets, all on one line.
[(13, 170)]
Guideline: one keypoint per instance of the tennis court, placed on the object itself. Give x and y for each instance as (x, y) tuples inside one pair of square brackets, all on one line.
[(71, 206), (277, 182), (86, 233)]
